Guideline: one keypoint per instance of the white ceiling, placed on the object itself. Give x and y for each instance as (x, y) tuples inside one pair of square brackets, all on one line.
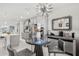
[(11, 11)]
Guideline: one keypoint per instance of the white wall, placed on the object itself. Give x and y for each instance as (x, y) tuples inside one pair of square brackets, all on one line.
[(62, 10), (10, 12)]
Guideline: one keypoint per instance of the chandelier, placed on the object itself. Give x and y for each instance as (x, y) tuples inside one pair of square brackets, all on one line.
[(44, 8)]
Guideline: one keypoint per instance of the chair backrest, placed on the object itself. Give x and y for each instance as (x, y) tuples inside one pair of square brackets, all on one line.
[(14, 40), (60, 45), (25, 36)]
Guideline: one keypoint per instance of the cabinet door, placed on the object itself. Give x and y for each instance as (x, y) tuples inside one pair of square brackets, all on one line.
[(68, 47), (77, 47)]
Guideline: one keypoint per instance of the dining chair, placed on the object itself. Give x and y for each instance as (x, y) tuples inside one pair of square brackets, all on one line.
[(15, 42), (24, 52), (53, 48)]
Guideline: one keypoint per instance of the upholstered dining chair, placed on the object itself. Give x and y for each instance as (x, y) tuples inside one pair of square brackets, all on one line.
[(15, 42), (24, 52), (53, 48)]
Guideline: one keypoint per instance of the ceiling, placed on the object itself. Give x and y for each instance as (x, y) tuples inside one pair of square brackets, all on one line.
[(12, 11)]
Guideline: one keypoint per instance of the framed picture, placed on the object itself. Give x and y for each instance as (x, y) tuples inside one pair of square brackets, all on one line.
[(62, 23)]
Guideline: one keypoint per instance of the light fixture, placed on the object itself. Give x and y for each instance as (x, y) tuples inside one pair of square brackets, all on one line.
[(44, 8)]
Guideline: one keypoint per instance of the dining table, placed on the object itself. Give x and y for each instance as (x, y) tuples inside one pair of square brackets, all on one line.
[(38, 46)]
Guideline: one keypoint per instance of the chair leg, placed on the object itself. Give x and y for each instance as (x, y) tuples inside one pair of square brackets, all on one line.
[(54, 54), (49, 54)]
